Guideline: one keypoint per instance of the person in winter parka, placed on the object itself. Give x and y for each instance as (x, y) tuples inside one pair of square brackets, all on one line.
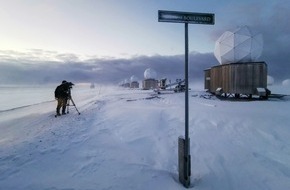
[(62, 94)]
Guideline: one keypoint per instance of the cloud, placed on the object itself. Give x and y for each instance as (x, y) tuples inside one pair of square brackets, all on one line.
[(25, 68), (100, 70)]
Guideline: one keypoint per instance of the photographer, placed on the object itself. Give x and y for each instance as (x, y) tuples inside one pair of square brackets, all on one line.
[(62, 94)]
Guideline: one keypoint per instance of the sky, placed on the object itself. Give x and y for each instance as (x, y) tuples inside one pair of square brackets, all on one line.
[(109, 40)]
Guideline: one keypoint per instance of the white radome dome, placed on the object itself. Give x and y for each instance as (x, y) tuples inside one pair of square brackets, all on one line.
[(237, 46), (133, 78), (286, 82), (150, 74), (126, 81)]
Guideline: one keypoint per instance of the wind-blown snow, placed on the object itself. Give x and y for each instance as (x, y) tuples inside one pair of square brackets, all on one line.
[(127, 139)]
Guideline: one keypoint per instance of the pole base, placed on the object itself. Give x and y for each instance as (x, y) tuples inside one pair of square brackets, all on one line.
[(184, 165)]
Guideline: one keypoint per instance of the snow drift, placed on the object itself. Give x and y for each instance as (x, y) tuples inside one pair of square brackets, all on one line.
[(127, 139)]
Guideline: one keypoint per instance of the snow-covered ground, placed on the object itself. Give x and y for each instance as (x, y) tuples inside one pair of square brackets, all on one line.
[(128, 139)]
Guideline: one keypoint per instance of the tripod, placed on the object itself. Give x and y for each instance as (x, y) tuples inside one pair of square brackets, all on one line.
[(73, 104)]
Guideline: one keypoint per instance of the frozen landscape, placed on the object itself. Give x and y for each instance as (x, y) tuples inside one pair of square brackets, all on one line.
[(128, 139)]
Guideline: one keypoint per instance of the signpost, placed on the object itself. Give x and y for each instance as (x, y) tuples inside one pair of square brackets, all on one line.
[(185, 17), (184, 160)]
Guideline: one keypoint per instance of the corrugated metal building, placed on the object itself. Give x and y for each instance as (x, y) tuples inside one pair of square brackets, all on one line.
[(237, 79)]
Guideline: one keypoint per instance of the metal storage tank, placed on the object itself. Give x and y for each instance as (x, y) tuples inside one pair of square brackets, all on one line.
[(237, 79)]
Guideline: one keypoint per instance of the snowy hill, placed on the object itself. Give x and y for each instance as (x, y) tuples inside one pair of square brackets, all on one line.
[(127, 139)]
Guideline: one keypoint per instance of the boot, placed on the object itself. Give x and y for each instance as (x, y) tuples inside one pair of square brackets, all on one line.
[(57, 112), (63, 111)]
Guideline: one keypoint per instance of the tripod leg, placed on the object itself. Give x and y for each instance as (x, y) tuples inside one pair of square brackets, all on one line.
[(67, 106), (75, 106)]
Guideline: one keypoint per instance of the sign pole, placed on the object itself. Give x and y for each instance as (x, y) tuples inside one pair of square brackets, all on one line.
[(186, 85), (187, 160), (184, 160)]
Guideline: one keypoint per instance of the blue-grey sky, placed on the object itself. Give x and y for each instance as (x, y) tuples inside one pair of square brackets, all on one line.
[(109, 40)]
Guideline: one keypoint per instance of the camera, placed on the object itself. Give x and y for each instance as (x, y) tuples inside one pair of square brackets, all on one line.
[(70, 84)]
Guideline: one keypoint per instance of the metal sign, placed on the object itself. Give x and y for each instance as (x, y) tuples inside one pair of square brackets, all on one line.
[(185, 17)]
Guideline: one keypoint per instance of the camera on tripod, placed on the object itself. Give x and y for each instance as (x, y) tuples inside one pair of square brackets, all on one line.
[(70, 85)]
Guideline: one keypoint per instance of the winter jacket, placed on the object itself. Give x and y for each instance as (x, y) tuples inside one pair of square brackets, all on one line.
[(62, 91)]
